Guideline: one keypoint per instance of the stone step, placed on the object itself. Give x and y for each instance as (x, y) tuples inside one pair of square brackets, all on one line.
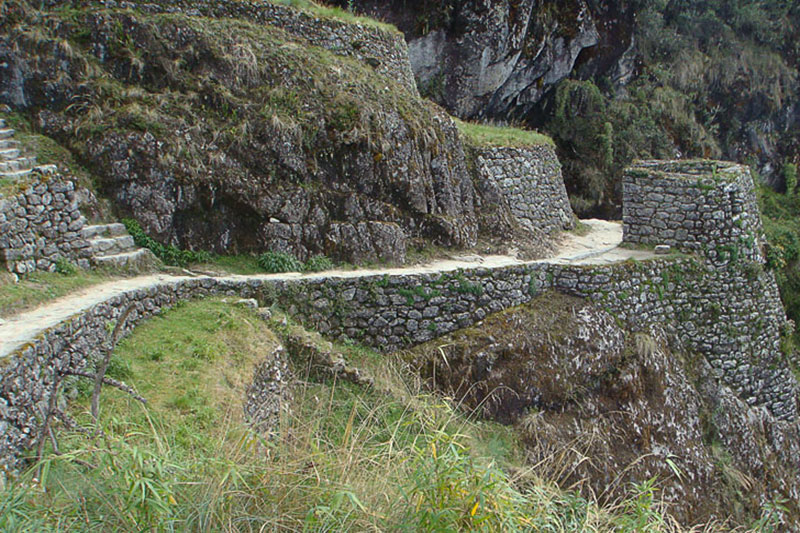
[(21, 163), (45, 169), (104, 230), (102, 246), (138, 259), (16, 174), (8, 143), (9, 153), (6, 133)]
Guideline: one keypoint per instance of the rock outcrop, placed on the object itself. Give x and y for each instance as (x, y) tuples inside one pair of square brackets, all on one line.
[(498, 58)]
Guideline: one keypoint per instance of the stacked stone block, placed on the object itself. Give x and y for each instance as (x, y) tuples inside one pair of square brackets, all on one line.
[(40, 225), (530, 182)]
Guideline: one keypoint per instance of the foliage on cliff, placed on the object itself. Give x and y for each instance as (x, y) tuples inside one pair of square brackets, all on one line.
[(705, 79), (615, 81)]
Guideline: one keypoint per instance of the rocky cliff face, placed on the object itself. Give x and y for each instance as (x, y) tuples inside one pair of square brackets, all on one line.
[(234, 136), (601, 406), (497, 59)]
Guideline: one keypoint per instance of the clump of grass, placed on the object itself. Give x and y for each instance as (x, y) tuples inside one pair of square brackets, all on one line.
[(318, 263), (276, 262), (482, 135), (337, 13)]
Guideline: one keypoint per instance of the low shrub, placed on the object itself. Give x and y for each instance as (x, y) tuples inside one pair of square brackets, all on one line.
[(169, 254), (318, 263), (275, 262), (65, 266)]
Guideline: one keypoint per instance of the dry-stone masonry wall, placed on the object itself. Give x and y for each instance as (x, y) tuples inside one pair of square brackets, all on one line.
[(730, 315), (40, 225), (384, 49), (700, 206), (529, 179)]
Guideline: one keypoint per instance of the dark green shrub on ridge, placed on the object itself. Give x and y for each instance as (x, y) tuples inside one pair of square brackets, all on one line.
[(276, 262), (170, 255)]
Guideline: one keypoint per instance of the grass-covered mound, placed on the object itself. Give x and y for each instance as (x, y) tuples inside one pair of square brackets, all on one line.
[(490, 135), (344, 457)]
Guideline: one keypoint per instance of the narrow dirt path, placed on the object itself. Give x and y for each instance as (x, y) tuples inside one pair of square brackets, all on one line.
[(600, 245)]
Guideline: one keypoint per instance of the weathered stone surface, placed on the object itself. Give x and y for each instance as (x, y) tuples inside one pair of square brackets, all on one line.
[(498, 58), (707, 207), (269, 392), (357, 184), (528, 184)]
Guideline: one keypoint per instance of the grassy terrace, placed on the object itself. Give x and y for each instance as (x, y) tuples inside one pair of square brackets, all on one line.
[(344, 457), (336, 13), (488, 135)]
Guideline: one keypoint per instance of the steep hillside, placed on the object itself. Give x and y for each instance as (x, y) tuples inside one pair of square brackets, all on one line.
[(600, 407), (239, 134)]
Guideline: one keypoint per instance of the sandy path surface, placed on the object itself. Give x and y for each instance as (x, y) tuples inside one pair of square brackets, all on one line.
[(600, 245)]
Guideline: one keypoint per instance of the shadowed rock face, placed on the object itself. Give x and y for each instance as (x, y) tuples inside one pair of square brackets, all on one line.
[(603, 406), (236, 137), (498, 58)]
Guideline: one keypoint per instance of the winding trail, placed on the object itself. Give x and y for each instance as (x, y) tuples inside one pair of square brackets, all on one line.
[(598, 246)]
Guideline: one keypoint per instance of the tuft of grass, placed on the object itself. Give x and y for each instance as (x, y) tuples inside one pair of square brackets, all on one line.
[(318, 263), (275, 262), (169, 254), (486, 135)]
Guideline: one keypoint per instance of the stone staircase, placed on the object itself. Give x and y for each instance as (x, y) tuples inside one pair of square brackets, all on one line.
[(12, 163), (112, 247)]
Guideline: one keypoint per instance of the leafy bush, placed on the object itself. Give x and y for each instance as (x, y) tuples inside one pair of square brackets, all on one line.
[(170, 255), (64, 266), (318, 263), (275, 262)]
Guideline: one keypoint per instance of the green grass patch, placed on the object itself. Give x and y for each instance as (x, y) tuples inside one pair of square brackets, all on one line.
[(169, 254), (40, 287), (337, 13), (233, 264), (486, 135)]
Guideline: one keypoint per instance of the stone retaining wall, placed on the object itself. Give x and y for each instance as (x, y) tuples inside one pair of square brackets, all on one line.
[(730, 315), (529, 180), (700, 206), (40, 225)]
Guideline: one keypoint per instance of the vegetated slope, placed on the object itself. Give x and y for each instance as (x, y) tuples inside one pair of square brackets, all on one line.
[(615, 81), (232, 135), (346, 455), (600, 407)]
